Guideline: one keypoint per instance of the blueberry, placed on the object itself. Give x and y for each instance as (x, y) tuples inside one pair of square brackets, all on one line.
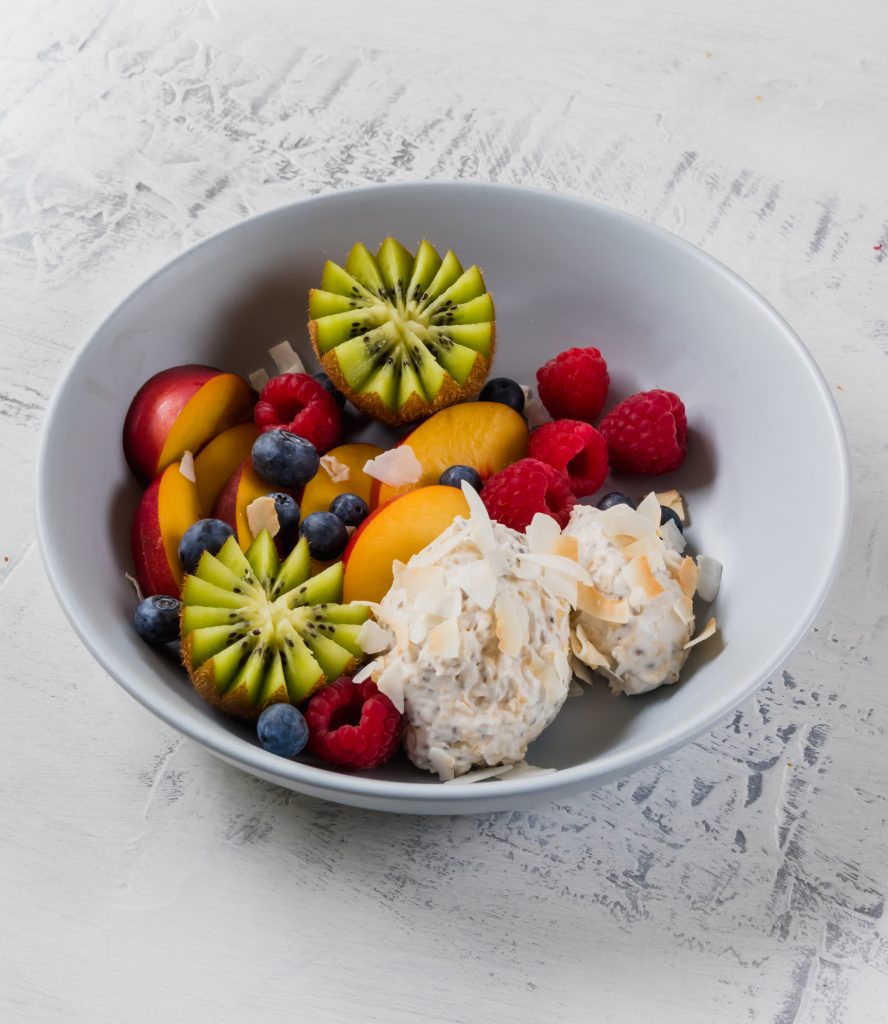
[(282, 730), (285, 459), (328, 385), (326, 535), (614, 498), (505, 391), (287, 511), (666, 514), (350, 508), (157, 619), (205, 535), (454, 476)]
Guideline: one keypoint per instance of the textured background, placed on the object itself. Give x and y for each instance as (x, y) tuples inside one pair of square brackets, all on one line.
[(741, 880)]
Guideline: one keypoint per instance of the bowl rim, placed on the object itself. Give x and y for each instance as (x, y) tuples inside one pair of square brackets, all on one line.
[(235, 750)]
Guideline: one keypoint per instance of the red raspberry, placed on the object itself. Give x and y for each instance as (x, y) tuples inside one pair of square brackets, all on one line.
[(573, 385), (298, 403), (576, 449), (353, 724), (647, 433), (515, 494)]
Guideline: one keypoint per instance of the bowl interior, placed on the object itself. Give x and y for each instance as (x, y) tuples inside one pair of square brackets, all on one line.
[(766, 448)]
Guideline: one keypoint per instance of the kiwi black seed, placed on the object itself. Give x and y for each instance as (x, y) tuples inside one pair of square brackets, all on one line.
[(402, 335), (251, 627)]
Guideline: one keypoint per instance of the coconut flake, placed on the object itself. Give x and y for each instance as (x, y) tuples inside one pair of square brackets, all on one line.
[(186, 467), (442, 762), (709, 578), (258, 379), (558, 563), (674, 500), (372, 638), (477, 582), (672, 536), (418, 629), (650, 548), (581, 670), (585, 651), (621, 520), (561, 586), (542, 534), (366, 672), (443, 640), (684, 609), (445, 603), (262, 515), (396, 467), (616, 682), (479, 775), (336, 470), (705, 633), (574, 689), (649, 507), (511, 624), (639, 575), (286, 359), (523, 770), (136, 586), (391, 683), (596, 604), (418, 579), (687, 576), (482, 532)]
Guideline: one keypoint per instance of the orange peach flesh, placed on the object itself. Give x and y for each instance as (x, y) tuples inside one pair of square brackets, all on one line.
[(220, 458), (222, 402), (397, 531), (321, 490), (485, 435)]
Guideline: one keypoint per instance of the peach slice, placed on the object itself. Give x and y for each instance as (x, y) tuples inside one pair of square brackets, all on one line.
[(244, 487), (220, 458), (485, 435), (396, 531), (321, 490), (179, 410), (168, 508)]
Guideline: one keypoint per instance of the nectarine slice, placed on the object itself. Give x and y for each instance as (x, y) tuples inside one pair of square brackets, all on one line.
[(396, 531), (217, 461), (321, 490), (485, 435), (168, 508), (244, 487), (179, 410)]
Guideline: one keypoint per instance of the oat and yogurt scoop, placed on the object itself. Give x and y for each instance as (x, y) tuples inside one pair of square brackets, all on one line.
[(473, 641)]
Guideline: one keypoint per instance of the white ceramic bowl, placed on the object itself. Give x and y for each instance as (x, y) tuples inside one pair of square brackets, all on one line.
[(766, 478)]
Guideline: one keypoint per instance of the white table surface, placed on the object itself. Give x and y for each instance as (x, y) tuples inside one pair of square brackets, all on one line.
[(744, 878)]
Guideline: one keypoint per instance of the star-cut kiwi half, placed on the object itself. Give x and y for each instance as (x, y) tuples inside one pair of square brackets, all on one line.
[(256, 631), (402, 336)]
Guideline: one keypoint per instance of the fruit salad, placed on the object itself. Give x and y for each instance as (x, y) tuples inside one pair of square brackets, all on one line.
[(436, 597)]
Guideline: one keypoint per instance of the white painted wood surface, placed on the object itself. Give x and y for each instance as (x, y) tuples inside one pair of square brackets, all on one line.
[(743, 879)]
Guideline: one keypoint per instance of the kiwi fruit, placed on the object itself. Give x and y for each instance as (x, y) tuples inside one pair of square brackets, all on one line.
[(402, 336), (258, 631)]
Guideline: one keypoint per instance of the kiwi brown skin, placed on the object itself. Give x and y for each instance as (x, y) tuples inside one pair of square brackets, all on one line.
[(233, 702), (415, 408)]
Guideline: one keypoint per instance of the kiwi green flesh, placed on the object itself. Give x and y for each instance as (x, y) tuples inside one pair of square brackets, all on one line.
[(424, 269), (321, 303), (267, 629), (337, 281), (363, 267), (404, 344)]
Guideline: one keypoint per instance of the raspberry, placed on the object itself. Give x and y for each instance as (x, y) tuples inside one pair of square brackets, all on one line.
[(353, 724), (573, 385), (515, 494), (300, 404), (575, 448), (647, 433)]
